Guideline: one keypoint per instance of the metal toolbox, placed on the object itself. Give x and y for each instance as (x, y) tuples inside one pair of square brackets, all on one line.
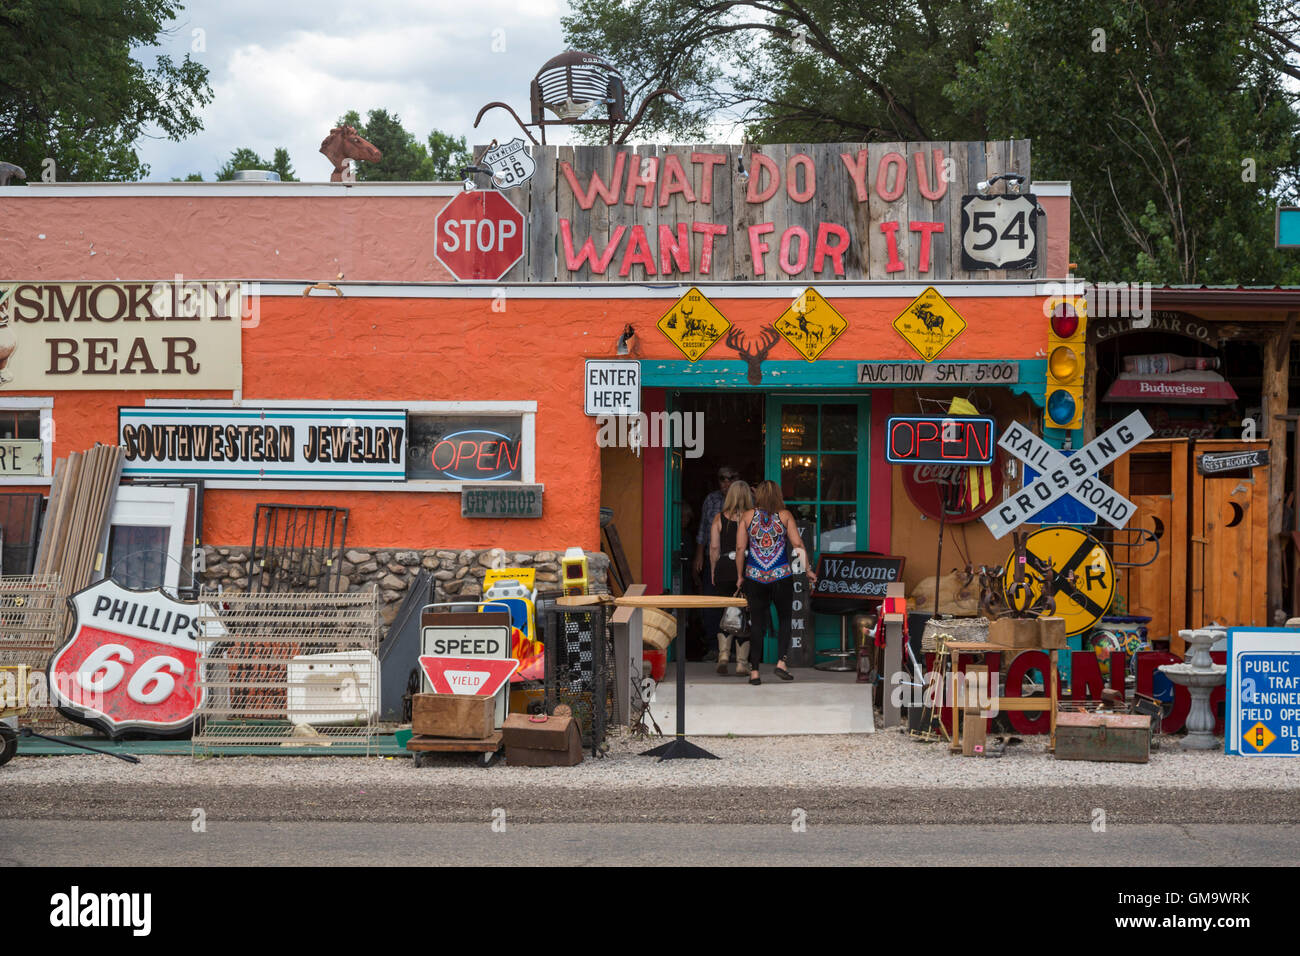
[(1122, 738)]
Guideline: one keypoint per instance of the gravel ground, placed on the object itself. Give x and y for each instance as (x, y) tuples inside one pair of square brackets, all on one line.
[(883, 760)]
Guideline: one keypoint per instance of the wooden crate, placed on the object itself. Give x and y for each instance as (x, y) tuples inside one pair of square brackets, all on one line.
[(460, 716)]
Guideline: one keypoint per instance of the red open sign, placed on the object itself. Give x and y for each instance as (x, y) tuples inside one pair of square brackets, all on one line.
[(948, 440), (476, 455)]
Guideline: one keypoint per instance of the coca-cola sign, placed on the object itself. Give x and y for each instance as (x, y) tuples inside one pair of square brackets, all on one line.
[(944, 491), (131, 662)]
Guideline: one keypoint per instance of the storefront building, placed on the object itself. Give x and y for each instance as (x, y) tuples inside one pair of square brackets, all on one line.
[(376, 348)]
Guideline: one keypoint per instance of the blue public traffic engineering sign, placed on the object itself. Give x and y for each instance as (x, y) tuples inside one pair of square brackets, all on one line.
[(1263, 714)]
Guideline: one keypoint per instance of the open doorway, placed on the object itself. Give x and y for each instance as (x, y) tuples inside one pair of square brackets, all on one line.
[(732, 429)]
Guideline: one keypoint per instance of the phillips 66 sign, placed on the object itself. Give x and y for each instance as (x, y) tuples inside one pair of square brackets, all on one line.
[(131, 663)]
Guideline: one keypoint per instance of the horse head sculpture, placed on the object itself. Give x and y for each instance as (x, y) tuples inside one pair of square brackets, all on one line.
[(344, 143)]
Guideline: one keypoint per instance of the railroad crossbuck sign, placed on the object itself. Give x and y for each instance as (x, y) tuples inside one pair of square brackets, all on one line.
[(1073, 476)]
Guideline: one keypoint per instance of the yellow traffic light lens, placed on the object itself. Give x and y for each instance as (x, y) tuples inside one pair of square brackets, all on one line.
[(1064, 363)]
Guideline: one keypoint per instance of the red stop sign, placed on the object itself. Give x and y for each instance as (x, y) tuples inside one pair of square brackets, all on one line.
[(479, 235)]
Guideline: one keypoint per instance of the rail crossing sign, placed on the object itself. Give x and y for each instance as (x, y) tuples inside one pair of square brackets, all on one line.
[(1262, 710), (1085, 600), (1073, 476)]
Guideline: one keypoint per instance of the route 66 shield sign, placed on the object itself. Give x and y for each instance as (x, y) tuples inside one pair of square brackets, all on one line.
[(999, 232), (510, 163), (131, 662)]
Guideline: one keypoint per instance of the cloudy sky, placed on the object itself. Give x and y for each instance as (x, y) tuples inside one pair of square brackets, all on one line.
[(282, 73)]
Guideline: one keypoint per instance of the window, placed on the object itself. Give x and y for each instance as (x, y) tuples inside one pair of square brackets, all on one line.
[(146, 544), (465, 448), (20, 423), (26, 439)]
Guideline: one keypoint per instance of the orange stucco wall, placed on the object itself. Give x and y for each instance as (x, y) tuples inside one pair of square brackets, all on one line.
[(446, 349)]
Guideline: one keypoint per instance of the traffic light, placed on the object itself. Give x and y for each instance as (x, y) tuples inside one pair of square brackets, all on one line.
[(1065, 364)]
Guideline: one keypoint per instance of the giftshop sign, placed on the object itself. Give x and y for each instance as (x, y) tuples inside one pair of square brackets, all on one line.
[(243, 443), (501, 501), (120, 335), (775, 212)]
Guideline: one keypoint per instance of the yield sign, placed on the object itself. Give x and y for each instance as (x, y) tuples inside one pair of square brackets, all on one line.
[(1072, 476), (479, 676)]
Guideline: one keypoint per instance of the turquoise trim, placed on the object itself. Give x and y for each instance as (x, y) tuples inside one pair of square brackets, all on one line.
[(679, 373)]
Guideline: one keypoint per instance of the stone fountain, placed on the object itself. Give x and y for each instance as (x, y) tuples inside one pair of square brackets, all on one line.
[(1200, 676)]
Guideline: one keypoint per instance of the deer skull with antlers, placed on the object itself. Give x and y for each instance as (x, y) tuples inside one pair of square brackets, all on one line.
[(753, 360)]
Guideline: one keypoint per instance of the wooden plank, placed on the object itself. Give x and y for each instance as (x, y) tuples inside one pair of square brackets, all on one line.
[(566, 207), (585, 160), (621, 214), (941, 210), (800, 215), (878, 254), (718, 210), (996, 160), (676, 213), (773, 211), (543, 236), (842, 207), (1018, 162), (1176, 538), (962, 184), (445, 745), (1274, 389), (742, 261)]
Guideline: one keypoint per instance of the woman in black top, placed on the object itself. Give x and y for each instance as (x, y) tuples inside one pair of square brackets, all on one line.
[(739, 500)]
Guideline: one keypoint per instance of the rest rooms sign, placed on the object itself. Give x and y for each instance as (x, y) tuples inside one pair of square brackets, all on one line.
[(120, 335), (1263, 681), (263, 443)]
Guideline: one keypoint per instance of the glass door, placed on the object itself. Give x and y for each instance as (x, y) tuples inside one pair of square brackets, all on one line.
[(817, 451)]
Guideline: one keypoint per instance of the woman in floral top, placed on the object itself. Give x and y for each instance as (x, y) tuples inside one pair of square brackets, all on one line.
[(766, 538)]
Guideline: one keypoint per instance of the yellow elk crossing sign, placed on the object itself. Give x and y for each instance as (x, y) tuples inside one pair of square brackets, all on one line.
[(1074, 476)]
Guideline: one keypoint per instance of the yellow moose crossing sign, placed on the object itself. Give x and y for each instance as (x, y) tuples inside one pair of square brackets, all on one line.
[(929, 324)]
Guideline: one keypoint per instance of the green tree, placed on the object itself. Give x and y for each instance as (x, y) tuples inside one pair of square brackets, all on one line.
[(405, 158), (1171, 119), (817, 70), (245, 158), (72, 89), (449, 154)]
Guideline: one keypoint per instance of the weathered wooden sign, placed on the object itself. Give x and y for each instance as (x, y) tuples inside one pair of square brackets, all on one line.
[(774, 212), (1218, 463)]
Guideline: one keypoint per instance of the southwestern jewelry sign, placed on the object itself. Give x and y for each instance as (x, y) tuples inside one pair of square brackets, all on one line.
[(239, 442), (773, 212)]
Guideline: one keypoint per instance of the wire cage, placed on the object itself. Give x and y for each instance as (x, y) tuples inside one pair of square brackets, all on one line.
[(283, 670), (579, 661), (31, 611)]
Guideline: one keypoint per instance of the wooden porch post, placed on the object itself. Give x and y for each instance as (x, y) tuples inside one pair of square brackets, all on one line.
[(1276, 354)]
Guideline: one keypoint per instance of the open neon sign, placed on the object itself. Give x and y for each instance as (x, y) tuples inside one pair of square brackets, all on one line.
[(476, 455), (948, 440)]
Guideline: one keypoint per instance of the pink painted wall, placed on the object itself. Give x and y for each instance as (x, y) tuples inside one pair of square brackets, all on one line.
[(240, 237)]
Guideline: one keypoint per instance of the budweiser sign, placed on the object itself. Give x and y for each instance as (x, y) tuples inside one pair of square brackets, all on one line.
[(131, 662)]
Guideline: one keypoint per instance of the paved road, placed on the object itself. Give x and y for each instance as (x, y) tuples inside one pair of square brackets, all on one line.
[(72, 843)]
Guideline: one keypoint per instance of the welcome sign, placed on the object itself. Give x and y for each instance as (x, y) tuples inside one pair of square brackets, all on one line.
[(239, 442)]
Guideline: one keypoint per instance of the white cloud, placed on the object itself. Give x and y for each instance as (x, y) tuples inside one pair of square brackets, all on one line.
[(281, 75)]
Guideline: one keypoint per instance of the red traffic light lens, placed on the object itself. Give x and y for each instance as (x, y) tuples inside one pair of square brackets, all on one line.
[(1064, 321)]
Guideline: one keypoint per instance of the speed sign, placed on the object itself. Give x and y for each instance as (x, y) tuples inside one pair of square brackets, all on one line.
[(999, 232)]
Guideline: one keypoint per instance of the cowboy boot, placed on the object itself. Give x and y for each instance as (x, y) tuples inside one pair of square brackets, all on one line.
[(742, 659), (724, 652)]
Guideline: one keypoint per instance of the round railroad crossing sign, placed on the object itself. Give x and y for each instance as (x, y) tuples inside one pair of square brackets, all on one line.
[(1084, 601)]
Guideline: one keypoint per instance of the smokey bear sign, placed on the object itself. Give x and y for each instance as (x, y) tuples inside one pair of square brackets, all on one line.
[(131, 663)]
